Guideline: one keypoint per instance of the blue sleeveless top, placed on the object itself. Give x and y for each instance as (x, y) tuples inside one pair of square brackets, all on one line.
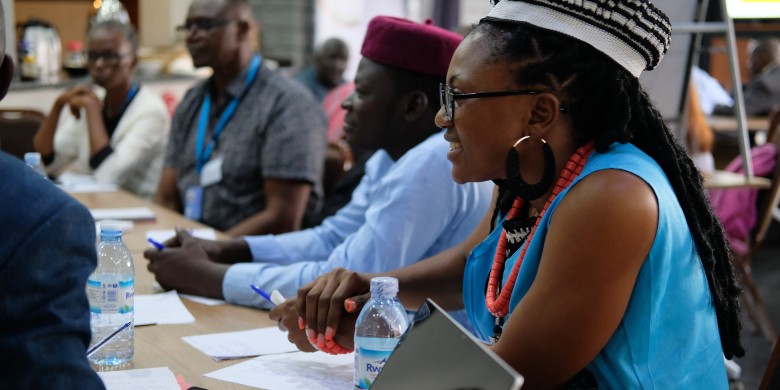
[(668, 337)]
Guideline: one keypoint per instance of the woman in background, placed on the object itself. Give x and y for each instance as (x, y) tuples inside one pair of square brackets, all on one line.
[(119, 137), (610, 270)]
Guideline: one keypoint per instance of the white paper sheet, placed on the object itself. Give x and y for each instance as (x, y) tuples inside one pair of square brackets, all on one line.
[(159, 378), (203, 300), (76, 182), (234, 345), (166, 234), (165, 308), (298, 370), (131, 213)]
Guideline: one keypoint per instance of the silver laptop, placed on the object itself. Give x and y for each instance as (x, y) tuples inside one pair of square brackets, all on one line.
[(436, 352)]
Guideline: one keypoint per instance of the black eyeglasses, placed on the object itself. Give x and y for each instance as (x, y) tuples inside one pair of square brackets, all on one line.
[(109, 58), (204, 25), (447, 98)]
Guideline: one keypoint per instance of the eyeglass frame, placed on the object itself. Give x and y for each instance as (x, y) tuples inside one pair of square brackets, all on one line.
[(109, 58), (449, 104), (205, 25)]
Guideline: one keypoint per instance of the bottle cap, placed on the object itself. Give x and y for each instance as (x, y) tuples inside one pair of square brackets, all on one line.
[(384, 286), (112, 226), (74, 46), (32, 158)]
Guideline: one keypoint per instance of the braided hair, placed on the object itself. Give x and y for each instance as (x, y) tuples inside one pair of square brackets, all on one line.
[(606, 104)]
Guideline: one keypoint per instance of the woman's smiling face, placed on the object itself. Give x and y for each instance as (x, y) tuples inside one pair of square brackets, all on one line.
[(481, 130)]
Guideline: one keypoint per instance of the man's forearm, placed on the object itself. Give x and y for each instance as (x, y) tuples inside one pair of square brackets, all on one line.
[(265, 222)]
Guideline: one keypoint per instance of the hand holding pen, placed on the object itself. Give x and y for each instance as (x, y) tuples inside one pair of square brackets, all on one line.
[(174, 241), (156, 244), (321, 343), (275, 297)]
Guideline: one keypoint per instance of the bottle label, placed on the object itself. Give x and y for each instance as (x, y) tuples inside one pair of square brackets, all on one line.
[(28, 67), (110, 297), (368, 364)]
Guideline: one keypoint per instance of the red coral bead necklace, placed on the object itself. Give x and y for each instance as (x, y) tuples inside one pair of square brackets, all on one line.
[(498, 303)]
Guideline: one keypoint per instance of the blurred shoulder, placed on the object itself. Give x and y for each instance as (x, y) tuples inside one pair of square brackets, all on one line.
[(33, 203), (24, 192)]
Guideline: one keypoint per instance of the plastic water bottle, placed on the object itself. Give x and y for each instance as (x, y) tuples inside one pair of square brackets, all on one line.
[(379, 327), (110, 290), (33, 160)]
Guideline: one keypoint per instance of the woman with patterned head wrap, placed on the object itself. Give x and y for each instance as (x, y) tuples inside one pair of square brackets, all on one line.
[(602, 264)]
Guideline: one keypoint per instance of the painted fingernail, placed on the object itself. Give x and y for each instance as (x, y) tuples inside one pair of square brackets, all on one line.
[(320, 340), (311, 335), (301, 323), (329, 333), (350, 305)]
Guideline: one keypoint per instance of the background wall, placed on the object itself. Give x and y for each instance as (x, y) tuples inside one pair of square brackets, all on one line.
[(158, 19), (348, 20), (70, 17)]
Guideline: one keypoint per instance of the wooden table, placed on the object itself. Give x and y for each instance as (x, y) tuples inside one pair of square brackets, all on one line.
[(722, 124), (161, 345), (724, 179)]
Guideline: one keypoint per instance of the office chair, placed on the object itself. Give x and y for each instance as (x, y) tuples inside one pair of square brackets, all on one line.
[(17, 130)]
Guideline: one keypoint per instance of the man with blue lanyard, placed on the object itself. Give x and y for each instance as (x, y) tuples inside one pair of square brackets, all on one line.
[(247, 145)]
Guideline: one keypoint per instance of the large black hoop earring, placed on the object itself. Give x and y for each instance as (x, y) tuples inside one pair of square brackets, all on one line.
[(515, 182)]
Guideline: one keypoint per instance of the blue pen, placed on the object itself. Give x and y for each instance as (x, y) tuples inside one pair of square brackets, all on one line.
[(156, 244), (105, 340), (275, 297)]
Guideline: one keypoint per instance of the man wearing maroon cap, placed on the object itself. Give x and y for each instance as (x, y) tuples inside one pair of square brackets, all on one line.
[(405, 209)]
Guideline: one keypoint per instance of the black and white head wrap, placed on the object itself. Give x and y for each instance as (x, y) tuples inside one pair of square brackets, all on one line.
[(634, 33)]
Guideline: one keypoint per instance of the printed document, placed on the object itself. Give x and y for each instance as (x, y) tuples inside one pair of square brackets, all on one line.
[(160, 378), (234, 345), (164, 308), (297, 370)]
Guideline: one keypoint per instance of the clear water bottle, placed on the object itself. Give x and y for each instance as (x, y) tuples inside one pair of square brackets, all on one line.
[(33, 160), (379, 327), (110, 290)]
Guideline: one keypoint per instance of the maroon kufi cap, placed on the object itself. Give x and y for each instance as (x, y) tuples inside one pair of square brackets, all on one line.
[(416, 47)]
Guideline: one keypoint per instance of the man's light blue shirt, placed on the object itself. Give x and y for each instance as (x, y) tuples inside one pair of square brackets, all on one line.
[(400, 213)]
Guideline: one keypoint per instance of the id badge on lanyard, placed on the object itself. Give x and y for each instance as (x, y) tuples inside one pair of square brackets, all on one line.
[(210, 171), (193, 203), (193, 198)]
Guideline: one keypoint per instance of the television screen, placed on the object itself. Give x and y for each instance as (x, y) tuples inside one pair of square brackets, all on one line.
[(753, 9)]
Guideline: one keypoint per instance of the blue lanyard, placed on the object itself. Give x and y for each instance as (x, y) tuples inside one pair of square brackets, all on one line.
[(202, 154), (129, 97), (111, 123)]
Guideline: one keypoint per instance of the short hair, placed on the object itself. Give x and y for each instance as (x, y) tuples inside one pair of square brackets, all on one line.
[(767, 49), (125, 29), (333, 45), (241, 6)]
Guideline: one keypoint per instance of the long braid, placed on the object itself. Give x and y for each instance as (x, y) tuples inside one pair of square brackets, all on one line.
[(606, 104), (706, 230)]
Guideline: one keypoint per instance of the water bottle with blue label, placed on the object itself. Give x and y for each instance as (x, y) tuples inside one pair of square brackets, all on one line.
[(110, 290), (33, 160), (379, 327)]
